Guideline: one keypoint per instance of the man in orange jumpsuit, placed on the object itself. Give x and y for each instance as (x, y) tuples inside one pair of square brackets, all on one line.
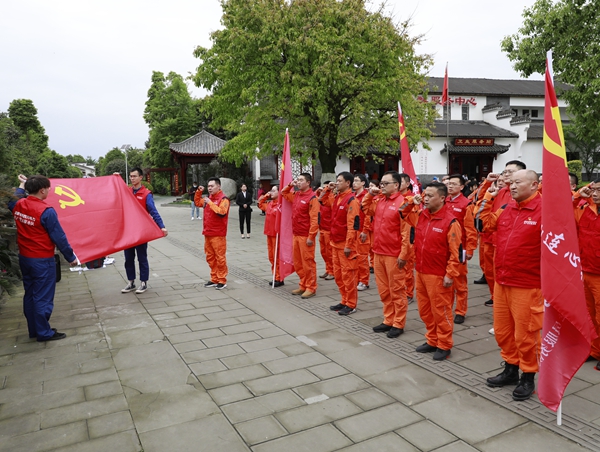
[(305, 225), (389, 247), (437, 245), (359, 185), (461, 207), (216, 216), (324, 231), (518, 300), (501, 199), (345, 225), (374, 183), (409, 268), (268, 203), (588, 229)]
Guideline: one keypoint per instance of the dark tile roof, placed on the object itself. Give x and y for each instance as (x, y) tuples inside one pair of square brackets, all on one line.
[(202, 143), (495, 149), (489, 87), (470, 129), (535, 132)]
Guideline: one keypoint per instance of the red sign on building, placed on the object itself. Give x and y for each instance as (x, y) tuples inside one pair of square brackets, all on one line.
[(473, 142)]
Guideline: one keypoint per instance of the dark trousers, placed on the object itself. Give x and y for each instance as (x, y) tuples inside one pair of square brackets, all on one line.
[(245, 216), (142, 255), (39, 282)]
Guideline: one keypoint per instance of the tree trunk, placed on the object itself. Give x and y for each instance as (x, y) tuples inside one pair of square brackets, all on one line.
[(328, 161)]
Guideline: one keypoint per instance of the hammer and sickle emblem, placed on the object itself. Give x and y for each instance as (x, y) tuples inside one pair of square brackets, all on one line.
[(75, 199)]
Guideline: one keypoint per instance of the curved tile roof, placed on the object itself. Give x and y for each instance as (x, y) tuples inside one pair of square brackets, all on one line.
[(202, 143)]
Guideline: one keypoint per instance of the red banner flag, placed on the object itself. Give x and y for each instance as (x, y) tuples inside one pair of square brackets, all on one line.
[(407, 165), (100, 216), (445, 89), (568, 330), (285, 253)]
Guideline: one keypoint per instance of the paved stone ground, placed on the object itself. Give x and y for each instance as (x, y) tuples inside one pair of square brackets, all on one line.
[(182, 367)]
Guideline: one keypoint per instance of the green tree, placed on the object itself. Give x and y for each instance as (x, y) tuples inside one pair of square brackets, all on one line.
[(52, 164), (588, 151), (117, 166), (328, 70), (571, 29), (89, 160), (172, 115), (113, 154), (76, 158)]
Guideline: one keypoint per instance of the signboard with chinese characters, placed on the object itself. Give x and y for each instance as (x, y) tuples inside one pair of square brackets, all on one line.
[(473, 142), (452, 100)]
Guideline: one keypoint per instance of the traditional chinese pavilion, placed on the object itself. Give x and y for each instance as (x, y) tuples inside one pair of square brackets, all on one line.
[(200, 148)]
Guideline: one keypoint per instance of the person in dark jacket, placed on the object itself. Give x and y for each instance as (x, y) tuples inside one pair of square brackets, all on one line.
[(244, 200)]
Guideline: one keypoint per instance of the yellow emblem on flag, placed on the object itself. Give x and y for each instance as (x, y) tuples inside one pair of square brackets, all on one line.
[(69, 193)]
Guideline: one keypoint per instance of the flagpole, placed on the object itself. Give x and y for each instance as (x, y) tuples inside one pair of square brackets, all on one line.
[(275, 260), (559, 414), (447, 117)]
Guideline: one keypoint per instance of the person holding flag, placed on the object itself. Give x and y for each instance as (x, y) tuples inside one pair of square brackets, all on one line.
[(305, 226), (518, 301), (269, 204), (144, 197), (216, 216), (38, 233)]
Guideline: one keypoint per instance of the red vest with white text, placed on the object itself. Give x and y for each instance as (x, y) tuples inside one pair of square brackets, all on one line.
[(32, 237), (458, 207), (141, 196), (431, 241), (300, 213), (589, 241), (215, 225), (339, 217), (387, 226)]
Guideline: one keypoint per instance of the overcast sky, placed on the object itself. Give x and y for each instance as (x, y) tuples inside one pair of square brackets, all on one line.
[(86, 65)]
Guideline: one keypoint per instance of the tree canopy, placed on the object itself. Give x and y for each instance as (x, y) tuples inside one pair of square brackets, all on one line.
[(171, 113), (571, 29), (328, 70)]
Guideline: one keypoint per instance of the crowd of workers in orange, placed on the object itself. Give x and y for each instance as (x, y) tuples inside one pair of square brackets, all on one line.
[(423, 241)]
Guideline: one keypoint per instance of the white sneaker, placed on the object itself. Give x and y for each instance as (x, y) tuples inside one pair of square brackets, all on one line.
[(361, 286), (192, 218), (143, 287), (130, 287), (491, 331)]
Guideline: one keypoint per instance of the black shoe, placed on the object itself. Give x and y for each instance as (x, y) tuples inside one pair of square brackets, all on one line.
[(143, 287), (383, 328), (489, 303), (394, 332), (509, 376), (441, 355), (55, 337), (458, 319), (278, 284), (425, 348), (337, 307), (210, 284), (130, 287), (597, 367), (525, 387), (371, 270), (590, 358), (221, 286), (481, 280), (346, 310)]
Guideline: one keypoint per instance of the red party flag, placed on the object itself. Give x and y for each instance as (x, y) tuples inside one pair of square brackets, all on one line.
[(100, 216), (407, 165), (568, 330), (285, 253), (445, 88)]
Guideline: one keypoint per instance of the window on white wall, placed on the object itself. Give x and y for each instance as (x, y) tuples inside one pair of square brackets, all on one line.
[(465, 112)]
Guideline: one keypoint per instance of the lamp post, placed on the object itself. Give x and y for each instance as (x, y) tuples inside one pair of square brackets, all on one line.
[(125, 148)]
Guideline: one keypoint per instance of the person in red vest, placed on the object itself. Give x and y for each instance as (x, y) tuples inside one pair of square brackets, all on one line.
[(345, 226), (364, 243), (409, 268), (305, 226), (461, 208), (437, 247), (502, 198), (268, 203), (373, 183), (216, 216), (588, 229), (38, 233), (324, 231), (518, 300), (144, 197), (389, 247)]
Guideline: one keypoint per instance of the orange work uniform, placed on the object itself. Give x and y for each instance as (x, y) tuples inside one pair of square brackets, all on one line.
[(345, 224), (588, 229), (272, 211), (216, 217), (324, 240), (305, 226), (389, 238), (518, 300), (409, 268), (462, 210), (437, 245), (363, 247)]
